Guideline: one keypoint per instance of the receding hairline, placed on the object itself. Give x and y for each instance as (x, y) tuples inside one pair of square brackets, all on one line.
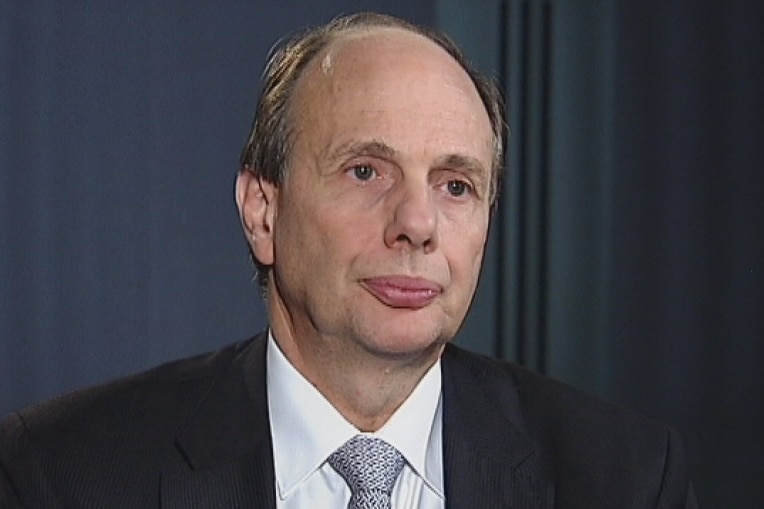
[(323, 61), (323, 57), (321, 65), (295, 57)]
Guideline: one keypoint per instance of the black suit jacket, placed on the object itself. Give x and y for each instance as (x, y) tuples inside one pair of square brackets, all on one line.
[(195, 433)]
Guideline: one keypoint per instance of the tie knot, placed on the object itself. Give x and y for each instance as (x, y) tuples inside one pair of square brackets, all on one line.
[(368, 464)]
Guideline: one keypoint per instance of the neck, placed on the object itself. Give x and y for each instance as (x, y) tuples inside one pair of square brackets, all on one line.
[(366, 392), (365, 387)]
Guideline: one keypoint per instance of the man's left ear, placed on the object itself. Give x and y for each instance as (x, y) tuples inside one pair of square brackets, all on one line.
[(256, 199)]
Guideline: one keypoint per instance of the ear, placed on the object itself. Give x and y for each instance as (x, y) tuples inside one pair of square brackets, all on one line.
[(256, 199)]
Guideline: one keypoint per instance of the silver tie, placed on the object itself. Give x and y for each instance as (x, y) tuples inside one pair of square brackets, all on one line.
[(370, 467)]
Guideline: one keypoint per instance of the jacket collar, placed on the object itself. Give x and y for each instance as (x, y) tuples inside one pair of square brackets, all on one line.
[(489, 461), (226, 441)]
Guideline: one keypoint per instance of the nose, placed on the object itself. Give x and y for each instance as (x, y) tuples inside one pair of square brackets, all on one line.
[(413, 222)]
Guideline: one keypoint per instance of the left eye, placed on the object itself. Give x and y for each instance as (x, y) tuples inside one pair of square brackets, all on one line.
[(363, 172), (457, 187)]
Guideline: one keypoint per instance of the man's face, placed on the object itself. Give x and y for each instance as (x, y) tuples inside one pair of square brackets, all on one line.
[(380, 224)]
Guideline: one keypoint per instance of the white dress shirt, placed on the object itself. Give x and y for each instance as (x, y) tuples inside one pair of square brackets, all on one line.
[(306, 429)]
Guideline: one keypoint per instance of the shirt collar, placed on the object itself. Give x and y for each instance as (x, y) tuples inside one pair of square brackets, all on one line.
[(300, 447), (415, 430)]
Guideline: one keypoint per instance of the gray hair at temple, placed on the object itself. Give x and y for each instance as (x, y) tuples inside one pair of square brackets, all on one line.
[(271, 137)]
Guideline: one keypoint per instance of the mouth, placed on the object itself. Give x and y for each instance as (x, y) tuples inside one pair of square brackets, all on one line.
[(403, 291)]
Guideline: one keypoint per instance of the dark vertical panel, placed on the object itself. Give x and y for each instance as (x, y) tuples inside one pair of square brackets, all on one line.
[(500, 218), (580, 152), (6, 348), (514, 196), (686, 279), (533, 138), (59, 244), (524, 212)]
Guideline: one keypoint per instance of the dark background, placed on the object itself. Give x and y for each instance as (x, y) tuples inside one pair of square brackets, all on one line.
[(627, 257)]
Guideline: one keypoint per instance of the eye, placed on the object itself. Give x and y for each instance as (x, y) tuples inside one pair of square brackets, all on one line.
[(458, 187), (363, 172)]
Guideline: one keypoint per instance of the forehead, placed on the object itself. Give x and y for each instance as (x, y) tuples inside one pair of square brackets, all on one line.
[(366, 45), (388, 75), (366, 54)]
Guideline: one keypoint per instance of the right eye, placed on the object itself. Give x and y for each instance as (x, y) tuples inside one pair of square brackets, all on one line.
[(363, 172)]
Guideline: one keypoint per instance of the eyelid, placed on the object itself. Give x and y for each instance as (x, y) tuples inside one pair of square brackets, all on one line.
[(380, 165), (356, 162), (472, 187)]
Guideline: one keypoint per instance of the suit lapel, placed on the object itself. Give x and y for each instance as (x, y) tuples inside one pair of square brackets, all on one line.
[(227, 441), (488, 460)]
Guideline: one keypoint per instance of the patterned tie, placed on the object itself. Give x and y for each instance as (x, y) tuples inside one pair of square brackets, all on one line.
[(370, 466)]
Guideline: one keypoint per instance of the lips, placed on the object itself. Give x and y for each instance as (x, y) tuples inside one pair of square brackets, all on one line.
[(403, 291)]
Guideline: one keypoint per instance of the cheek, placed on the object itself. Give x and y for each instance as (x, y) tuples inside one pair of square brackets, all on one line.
[(328, 237), (294, 240), (466, 271), (466, 243), (475, 258)]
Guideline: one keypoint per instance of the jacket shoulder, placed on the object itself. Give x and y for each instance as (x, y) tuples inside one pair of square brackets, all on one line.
[(549, 404), (106, 434), (594, 451), (155, 394)]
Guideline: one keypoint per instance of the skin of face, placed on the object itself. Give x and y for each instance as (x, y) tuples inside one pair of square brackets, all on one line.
[(376, 234)]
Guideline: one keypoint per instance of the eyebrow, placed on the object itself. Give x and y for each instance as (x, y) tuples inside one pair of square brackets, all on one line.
[(366, 148), (468, 164)]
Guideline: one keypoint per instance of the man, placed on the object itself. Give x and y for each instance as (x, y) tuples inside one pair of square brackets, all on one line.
[(365, 194)]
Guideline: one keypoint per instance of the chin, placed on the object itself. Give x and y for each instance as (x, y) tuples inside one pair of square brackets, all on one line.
[(404, 333), (401, 345)]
